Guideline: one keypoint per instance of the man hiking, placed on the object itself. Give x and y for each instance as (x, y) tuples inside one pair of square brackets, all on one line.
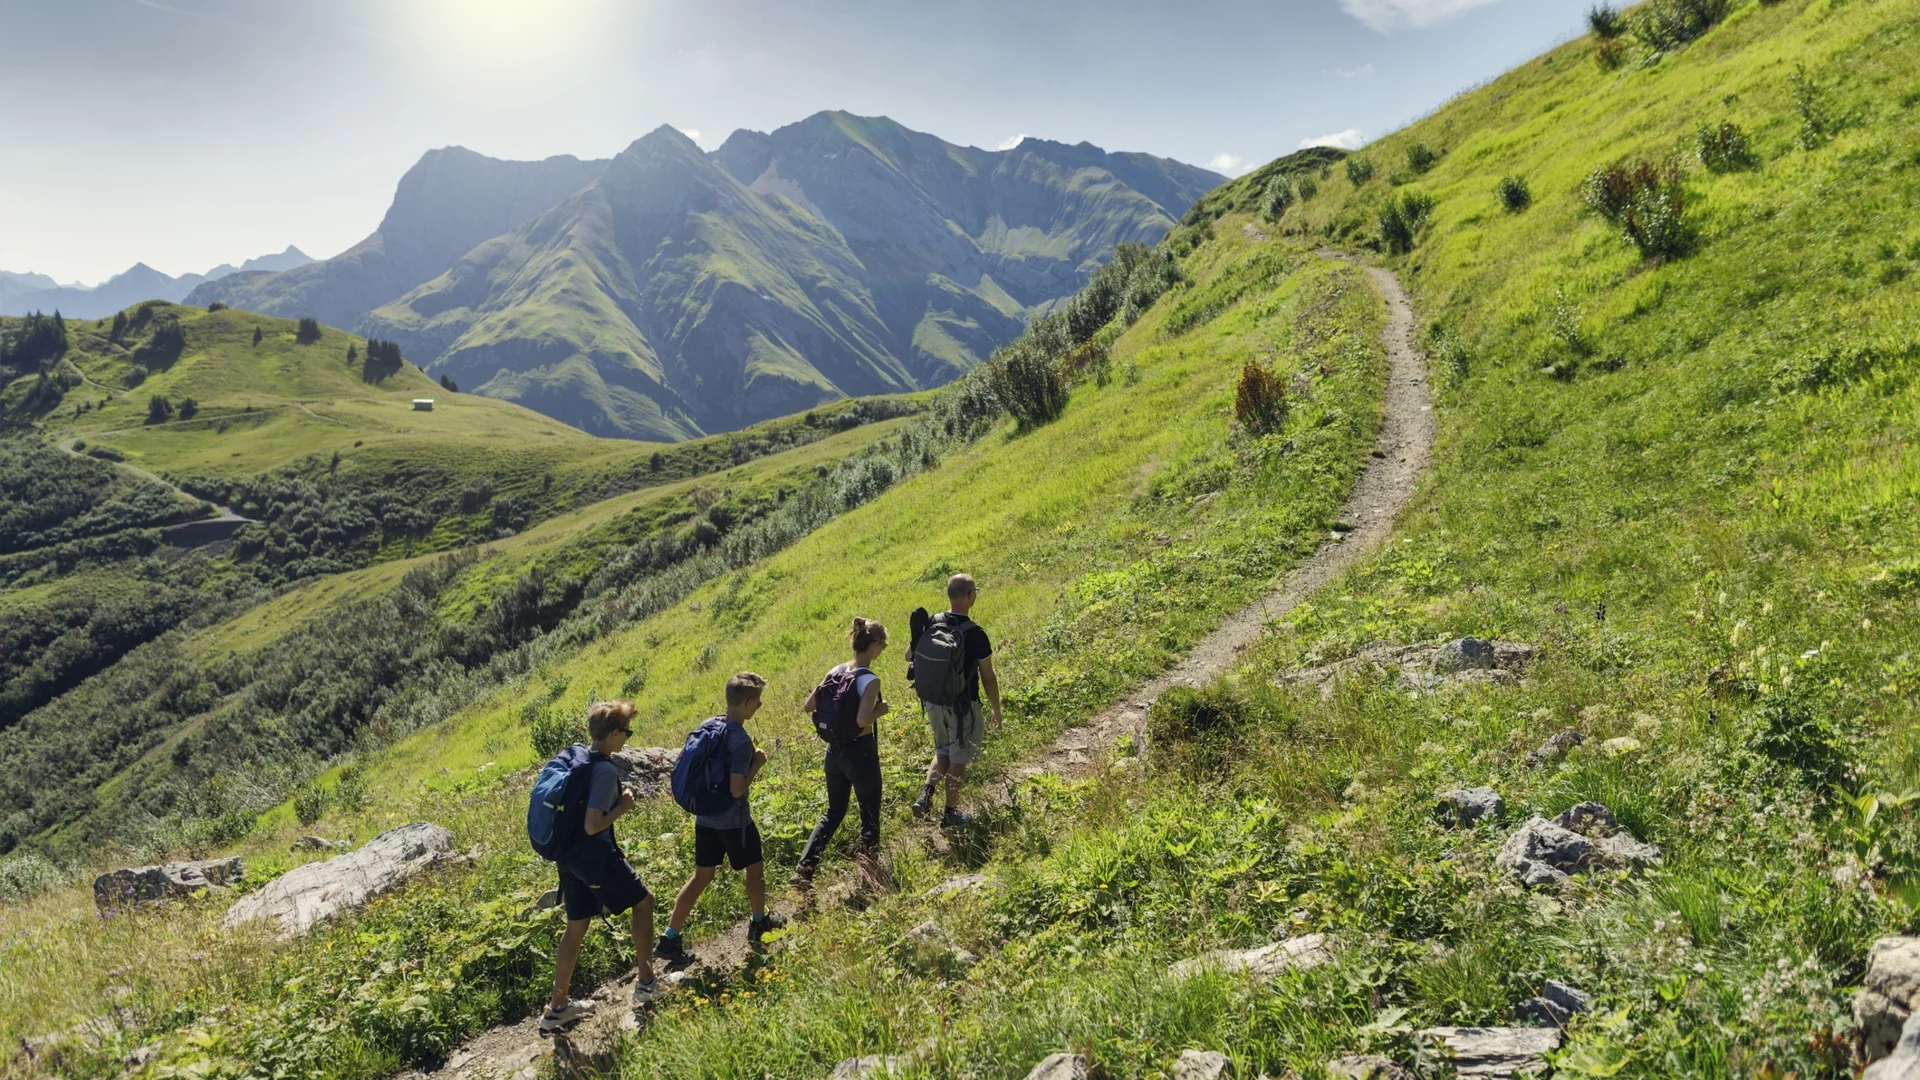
[(952, 661), (711, 780), (595, 878), (845, 707)]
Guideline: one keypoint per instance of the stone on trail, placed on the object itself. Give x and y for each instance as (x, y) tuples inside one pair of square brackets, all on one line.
[(1366, 1067), (1200, 1065), (1495, 1052), (305, 895), (1887, 994), (171, 881), (1061, 1067), (1265, 962), (1904, 1062), (869, 1068), (1465, 807), (1541, 852)]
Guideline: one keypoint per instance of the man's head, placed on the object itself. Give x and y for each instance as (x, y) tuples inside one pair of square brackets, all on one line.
[(610, 724), (743, 695), (961, 592)]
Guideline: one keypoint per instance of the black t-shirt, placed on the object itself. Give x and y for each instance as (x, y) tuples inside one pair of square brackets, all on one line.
[(978, 649)]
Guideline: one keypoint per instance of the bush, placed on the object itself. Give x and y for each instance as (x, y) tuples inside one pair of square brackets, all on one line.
[(1359, 170), (1669, 24), (1611, 54), (310, 803), (1647, 200), (159, 410), (1260, 404), (216, 306), (1515, 195), (1279, 195), (188, 407), (1028, 384), (1421, 157), (1816, 123), (257, 335), (1724, 147), (1307, 188), (1606, 22), (1195, 729), (308, 331), (1401, 218), (27, 873)]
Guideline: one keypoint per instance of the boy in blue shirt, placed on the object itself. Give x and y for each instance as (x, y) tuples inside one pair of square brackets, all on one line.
[(729, 834), (595, 877)]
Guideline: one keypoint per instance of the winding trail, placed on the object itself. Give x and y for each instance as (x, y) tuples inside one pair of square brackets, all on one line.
[(1400, 456), (191, 533)]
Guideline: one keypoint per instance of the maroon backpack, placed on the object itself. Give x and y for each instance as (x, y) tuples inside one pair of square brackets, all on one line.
[(836, 705)]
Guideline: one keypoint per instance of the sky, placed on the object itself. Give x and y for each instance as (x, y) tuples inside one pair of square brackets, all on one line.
[(189, 133)]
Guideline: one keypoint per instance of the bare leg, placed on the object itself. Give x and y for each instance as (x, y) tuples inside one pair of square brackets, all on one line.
[(690, 895), (955, 775), (938, 769), (643, 938), (757, 888), (570, 942)]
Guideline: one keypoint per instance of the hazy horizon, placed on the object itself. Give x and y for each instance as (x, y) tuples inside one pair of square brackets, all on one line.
[(189, 133)]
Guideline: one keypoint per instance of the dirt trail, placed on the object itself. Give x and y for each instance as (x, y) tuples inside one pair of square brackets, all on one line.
[(1400, 456), (220, 513)]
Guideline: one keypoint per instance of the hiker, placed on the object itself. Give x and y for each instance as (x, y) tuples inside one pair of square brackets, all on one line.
[(710, 781), (951, 662), (570, 820), (845, 707)]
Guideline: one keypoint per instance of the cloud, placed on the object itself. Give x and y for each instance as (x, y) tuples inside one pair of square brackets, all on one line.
[(1356, 73), (691, 133), (1386, 16), (1228, 164), (171, 10), (1346, 140), (1011, 141)]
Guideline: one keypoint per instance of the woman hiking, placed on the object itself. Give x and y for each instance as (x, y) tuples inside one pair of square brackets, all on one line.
[(845, 707)]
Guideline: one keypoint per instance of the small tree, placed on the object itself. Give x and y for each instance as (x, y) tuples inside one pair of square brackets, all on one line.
[(188, 407), (216, 306), (159, 410), (353, 353), (447, 384), (1606, 22), (257, 335), (1028, 383), (1260, 403), (1279, 195), (119, 327), (1647, 200), (1307, 188), (1816, 124), (1421, 157), (308, 331), (1515, 195), (1724, 147), (1359, 170), (1401, 218)]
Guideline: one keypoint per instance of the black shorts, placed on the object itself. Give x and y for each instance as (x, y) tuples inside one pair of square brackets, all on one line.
[(592, 887), (741, 846)]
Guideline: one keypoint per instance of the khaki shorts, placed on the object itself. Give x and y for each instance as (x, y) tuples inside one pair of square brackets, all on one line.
[(957, 733)]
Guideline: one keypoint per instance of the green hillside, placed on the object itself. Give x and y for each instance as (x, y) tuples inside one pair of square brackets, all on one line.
[(1672, 457)]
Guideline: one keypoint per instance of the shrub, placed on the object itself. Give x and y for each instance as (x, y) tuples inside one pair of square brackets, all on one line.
[(308, 332), (1611, 54), (1421, 157), (1028, 384), (27, 873), (216, 306), (447, 384), (1359, 170), (1401, 218), (1307, 188), (257, 335), (159, 410), (1279, 195), (1669, 24), (310, 803), (1195, 728), (553, 730), (1647, 200), (1816, 123), (1606, 22), (188, 407), (1261, 401), (1724, 147), (1515, 195)]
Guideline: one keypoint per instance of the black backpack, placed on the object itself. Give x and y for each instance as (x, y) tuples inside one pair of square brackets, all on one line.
[(836, 705), (940, 661)]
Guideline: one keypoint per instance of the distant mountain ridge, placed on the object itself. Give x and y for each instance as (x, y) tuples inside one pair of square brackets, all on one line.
[(22, 293)]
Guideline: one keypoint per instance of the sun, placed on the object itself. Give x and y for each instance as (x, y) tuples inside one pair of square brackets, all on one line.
[(512, 36)]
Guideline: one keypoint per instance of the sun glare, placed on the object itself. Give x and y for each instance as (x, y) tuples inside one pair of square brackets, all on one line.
[(513, 37)]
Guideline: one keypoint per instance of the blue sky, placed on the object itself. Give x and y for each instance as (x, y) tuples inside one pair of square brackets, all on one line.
[(186, 133)]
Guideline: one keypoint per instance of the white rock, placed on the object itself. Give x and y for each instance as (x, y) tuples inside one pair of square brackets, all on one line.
[(1904, 1062), (1200, 1065), (305, 895), (1542, 852), (868, 1068), (1060, 1067), (1265, 962), (1366, 1067), (1496, 1052), (1887, 994)]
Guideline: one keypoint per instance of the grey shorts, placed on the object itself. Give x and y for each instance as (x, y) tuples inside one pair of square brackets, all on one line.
[(957, 733)]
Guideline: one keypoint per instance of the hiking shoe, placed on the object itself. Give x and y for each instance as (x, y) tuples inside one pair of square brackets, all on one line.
[(761, 927), (674, 951), (954, 819), (801, 879), (644, 992), (923, 805), (556, 1020)]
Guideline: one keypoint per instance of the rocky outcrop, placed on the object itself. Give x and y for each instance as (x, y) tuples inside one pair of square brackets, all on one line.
[(1556, 1003), (1904, 1062), (1466, 807), (172, 881), (1265, 962), (1493, 1052), (1200, 1065), (1061, 1067), (1428, 666), (1887, 994), (308, 894), (646, 768), (1542, 852)]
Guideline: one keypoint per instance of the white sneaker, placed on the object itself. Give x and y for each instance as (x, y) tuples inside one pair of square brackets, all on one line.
[(561, 1019), (644, 992)]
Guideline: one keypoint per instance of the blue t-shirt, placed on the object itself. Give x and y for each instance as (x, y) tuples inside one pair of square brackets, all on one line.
[(739, 763)]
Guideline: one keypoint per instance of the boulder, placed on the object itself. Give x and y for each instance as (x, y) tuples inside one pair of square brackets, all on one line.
[(1200, 1065), (308, 894), (1366, 1067), (1887, 994), (1570, 998), (171, 881), (1904, 1062), (1554, 749), (1588, 819), (1465, 807), (869, 1068), (1625, 852), (645, 767), (1061, 1067), (1496, 1052), (1464, 654), (1542, 852), (1542, 1012), (1265, 962)]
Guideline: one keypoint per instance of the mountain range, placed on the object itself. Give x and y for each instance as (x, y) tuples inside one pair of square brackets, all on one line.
[(22, 293), (671, 292)]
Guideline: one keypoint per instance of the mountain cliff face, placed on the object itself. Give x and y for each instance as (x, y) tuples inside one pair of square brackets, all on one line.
[(683, 293), (451, 200)]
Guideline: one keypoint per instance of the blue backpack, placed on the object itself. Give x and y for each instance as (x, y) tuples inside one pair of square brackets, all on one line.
[(557, 810), (702, 780)]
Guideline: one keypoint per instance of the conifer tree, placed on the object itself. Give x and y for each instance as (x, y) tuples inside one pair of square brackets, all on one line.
[(257, 335)]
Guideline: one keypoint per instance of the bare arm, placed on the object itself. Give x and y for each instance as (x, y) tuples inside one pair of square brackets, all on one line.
[(871, 706), (738, 783), (991, 684), (599, 821)]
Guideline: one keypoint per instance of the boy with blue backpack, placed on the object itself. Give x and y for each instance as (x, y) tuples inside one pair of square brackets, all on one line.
[(710, 781), (576, 799)]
